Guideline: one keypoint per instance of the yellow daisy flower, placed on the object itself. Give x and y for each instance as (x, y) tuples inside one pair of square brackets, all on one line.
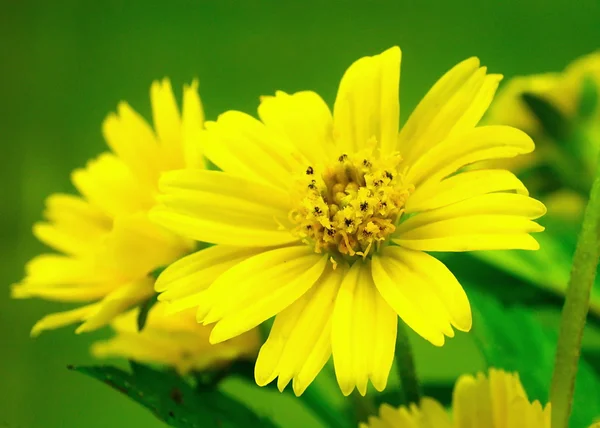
[(496, 401), (175, 340), (107, 245), (322, 220)]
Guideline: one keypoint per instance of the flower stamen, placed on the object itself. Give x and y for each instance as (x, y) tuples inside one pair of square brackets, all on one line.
[(352, 206)]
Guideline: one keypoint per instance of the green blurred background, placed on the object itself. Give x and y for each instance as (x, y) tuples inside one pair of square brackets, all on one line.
[(65, 65)]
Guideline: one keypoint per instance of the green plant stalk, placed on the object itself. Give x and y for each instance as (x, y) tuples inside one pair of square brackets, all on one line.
[(322, 408), (363, 407), (405, 364), (575, 309)]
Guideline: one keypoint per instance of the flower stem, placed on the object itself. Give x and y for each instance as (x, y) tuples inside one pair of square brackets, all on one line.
[(405, 364), (575, 309), (363, 407), (322, 408)]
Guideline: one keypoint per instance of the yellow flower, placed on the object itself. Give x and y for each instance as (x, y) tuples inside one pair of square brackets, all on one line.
[(322, 220), (175, 340), (497, 401), (107, 245), (563, 90)]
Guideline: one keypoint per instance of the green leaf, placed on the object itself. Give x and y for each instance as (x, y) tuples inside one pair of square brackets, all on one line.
[(144, 309), (588, 98), (547, 269), (514, 340), (172, 400), (552, 120)]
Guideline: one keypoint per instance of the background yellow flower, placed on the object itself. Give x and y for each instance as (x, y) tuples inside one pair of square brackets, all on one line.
[(107, 247), (175, 340), (494, 401), (563, 91)]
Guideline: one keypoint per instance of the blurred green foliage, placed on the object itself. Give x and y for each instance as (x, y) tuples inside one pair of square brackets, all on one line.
[(66, 64)]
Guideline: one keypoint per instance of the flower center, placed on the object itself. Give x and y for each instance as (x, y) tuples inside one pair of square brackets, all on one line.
[(351, 207)]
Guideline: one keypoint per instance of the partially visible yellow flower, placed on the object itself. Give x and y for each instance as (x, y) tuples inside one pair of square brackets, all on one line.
[(428, 414), (175, 340), (495, 401), (106, 245), (563, 90), (324, 219)]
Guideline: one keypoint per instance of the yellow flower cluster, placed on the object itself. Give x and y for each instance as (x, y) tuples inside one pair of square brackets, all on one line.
[(322, 218)]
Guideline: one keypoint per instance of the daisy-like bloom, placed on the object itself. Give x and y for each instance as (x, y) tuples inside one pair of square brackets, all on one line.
[(323, 220), (174, 340), (496, 401), (107, 246)]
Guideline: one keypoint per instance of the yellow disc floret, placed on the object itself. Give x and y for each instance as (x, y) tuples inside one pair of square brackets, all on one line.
[(352, 206)]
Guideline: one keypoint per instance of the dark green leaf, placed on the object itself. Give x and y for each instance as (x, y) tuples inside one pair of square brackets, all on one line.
[(172, 400), (211, 166), (156, 272), (514, 340), (552, 120), (588, 98), (144, 309)]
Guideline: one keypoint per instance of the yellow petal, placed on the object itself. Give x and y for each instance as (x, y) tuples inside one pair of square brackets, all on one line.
[(299, 344), (136, 247), (61, 319), (217, 207), (508, 204), (367, 104), (74, 226), (479, 105), (261, 287), (132, 139), (116, 303), (505, 388), (457, 188), (482, 143), (73, 293), (137, 347), (192, 123), (108, 184), (197, 271), (304, 119), (472, 401), (453, 106), (472, 242), (54, 269), (411, 294), (243, 146), (485, 222), (64, 279), (435, 414), (363, 333), (470, 233), (441, 282), (167, 123)]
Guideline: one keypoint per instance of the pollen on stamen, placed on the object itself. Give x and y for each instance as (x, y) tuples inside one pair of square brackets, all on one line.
[(350, 207)]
